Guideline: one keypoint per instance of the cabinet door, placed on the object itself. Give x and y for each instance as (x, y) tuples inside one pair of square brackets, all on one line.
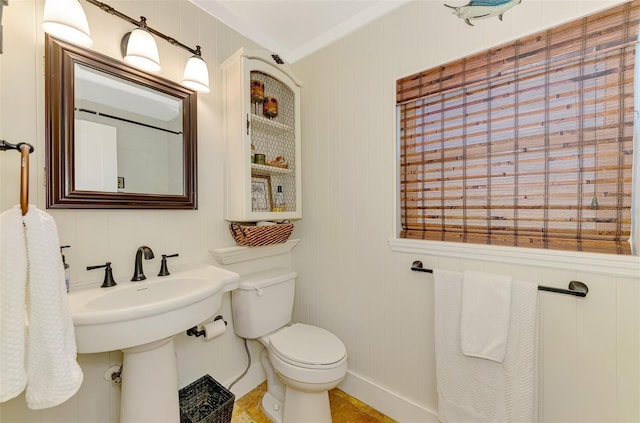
[(272, 132)]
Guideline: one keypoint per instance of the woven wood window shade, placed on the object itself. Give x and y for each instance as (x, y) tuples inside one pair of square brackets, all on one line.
[(511, 146)]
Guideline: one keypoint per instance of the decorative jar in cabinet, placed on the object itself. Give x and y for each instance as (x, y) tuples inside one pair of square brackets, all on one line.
[(261, 102)]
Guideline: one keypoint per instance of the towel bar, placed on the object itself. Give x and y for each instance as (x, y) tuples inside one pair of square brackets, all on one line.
[(576, 288), (25, 149)]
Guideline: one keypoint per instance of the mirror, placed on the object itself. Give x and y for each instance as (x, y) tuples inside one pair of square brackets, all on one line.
[(116, 137)]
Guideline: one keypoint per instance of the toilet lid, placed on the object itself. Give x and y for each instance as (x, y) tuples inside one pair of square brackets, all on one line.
[(307, 344)]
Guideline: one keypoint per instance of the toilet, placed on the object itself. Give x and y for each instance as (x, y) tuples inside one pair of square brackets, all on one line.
[(302, 362)]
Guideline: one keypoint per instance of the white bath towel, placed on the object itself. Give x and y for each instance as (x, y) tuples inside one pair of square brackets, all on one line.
[(13, 279), (473, 389), (486, 309), (52, 370)]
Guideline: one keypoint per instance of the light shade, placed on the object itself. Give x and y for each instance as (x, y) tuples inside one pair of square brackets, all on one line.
[(65, 19), (196, 75), (141, 50)]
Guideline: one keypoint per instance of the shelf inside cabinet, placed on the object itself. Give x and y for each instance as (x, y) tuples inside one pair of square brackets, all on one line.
[(265, 124), (260, 169)]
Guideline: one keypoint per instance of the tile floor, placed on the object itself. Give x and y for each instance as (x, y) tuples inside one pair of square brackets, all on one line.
[(344, 409)]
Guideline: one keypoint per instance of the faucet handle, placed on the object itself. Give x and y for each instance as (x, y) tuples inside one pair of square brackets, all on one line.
[(164, 271), (108, 275)]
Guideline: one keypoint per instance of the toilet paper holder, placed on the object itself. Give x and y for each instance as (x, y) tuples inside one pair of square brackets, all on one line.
[(195, 332)]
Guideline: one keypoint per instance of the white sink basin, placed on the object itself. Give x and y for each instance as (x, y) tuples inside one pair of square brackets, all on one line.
[(136, 313)]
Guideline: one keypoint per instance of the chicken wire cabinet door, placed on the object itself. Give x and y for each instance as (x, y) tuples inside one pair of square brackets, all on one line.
[(262, 129)]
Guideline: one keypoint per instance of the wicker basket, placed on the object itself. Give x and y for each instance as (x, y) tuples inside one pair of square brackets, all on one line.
[(205, 401), (256, 236)]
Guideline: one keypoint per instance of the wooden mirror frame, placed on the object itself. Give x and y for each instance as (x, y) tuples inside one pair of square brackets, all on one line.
[(60, 58)]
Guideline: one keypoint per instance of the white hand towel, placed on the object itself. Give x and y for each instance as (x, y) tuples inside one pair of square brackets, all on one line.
[(472, 389), (13, 280), (486, 309), (52, 370)]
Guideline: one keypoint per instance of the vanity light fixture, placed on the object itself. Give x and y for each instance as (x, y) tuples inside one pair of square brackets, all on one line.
[(138, 47), (196, 75), (65, 19)]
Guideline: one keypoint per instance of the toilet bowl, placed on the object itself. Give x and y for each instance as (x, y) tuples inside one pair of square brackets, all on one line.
[(309, 361), (302, 362), (308, 354)]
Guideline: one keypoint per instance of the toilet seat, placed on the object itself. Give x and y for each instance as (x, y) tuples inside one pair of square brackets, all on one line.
[(308, 346)]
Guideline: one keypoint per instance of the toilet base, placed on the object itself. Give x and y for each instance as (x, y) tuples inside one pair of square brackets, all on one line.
[(272, 408), (306, 407), (299, 407)]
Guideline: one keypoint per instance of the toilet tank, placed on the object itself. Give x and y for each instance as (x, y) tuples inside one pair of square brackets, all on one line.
[(263, 302)]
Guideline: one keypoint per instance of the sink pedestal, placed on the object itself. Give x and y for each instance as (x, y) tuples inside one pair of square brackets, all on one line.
[(150, 383)]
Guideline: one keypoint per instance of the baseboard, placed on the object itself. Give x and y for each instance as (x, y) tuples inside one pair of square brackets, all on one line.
[(393, 405), (385, 401)]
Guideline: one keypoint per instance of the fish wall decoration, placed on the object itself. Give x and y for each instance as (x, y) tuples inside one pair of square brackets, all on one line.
[(482, 9)]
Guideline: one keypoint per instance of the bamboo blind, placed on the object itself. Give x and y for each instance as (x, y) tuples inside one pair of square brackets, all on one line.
[(513, 146)]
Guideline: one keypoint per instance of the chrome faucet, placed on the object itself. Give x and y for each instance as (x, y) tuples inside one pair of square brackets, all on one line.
[(138, 274)]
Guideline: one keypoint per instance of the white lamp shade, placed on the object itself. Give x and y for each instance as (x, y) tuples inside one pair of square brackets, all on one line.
[(65, 19), (142, 51), (196, 75)]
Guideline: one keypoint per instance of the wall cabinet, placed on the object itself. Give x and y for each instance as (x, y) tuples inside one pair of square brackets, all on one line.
[(262, 130)]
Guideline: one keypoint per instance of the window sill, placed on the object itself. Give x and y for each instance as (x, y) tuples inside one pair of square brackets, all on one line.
[(609, 264)]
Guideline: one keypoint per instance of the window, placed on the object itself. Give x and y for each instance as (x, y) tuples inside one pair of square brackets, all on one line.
[(527, 144)]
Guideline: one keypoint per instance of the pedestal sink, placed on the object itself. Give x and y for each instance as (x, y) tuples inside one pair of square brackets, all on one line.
[(141, 319)]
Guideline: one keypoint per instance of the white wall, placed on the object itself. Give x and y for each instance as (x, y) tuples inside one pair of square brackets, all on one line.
[(352, 283), (114, 235), (350, 280)]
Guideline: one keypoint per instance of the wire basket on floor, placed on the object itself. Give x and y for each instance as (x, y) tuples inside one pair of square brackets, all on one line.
[(205, 401), (256, 236)]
